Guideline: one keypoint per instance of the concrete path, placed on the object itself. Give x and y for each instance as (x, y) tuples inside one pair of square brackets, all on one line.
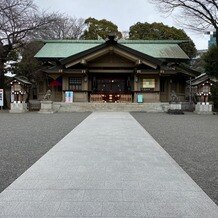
[(108, 166)]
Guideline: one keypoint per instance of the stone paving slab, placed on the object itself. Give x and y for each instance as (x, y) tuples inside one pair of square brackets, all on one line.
[(108, 166)]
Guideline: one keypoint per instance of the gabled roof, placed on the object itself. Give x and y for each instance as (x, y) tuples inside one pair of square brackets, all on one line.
[(186, 68), (201, 79), (116, 47), (161, 49), (22, 79)]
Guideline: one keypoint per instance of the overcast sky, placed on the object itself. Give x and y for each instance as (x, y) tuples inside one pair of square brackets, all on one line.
[(123, 13)]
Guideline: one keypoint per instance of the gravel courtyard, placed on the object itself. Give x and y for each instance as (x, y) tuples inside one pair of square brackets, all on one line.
[(24, 138), (192, 140)]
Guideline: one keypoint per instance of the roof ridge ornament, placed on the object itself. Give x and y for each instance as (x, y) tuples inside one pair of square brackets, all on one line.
[(111, 39)]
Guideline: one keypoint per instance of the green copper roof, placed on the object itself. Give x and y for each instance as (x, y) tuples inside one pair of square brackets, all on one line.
[(63, 49), (154, 48), (160, 50)]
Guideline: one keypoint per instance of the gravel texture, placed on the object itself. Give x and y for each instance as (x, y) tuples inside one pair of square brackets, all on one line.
[(24, 138), (192, 140)]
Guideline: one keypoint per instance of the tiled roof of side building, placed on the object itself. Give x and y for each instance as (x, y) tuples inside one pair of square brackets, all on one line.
[(156, 48)]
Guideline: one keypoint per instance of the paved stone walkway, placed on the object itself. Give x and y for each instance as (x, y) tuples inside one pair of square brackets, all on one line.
[(108, 166)]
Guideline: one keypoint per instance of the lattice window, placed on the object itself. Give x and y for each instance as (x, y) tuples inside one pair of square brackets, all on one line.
[(75, 83)]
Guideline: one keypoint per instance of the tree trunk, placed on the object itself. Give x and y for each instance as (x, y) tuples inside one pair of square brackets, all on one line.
[(1, 66), (216, 35), (2, 77), (2, 84)]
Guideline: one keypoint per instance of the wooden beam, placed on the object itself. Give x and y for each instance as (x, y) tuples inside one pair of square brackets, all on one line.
[(83, 62), (134, 58), (138, 62), (88, 57)]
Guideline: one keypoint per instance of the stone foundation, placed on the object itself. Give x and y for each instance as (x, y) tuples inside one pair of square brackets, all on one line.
[(203, 108), (18, 107), (126, 107), (175, 106), (46, 107)]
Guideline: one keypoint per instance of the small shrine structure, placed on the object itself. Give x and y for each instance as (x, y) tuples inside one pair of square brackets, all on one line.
[(19, 93), (201, 87)]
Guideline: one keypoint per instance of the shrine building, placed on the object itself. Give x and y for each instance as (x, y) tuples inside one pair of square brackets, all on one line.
[(143, 71)]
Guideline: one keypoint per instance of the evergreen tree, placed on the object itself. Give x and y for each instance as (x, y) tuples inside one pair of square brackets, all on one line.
[(100, 29), (159, 31), (211, 61)]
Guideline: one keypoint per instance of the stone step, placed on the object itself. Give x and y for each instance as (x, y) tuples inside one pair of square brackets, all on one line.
[(127, 107)]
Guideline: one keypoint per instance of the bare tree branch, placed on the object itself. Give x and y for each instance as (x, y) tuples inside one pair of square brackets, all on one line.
[(19, 19), (199, 15), (64, 27)]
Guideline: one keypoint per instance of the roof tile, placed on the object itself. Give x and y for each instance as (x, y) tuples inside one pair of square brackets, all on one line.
[(162, 49)]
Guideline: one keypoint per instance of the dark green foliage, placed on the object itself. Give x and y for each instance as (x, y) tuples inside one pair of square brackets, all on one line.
[(198, 63), (12, 56), (214, 96), (211, 68), (198, 15), (100, 29), (211, 61), (159, 31), (29, 64)]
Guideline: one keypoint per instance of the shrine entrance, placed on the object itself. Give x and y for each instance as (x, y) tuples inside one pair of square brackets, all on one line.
[(112, 88)]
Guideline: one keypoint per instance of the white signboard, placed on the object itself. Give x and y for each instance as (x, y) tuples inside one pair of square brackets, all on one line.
[(68, 96), (1, 98)]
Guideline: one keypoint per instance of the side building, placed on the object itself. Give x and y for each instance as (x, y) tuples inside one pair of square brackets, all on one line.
[(114, 71)]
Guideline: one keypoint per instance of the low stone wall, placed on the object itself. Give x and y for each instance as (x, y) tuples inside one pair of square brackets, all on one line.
[(187, 107), (80, 96), (34, 105), (148, 97), (128, 107)]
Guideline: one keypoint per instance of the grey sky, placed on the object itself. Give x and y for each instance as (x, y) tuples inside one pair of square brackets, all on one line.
[(123, 13)]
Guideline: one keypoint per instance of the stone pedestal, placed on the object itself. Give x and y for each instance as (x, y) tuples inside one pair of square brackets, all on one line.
[(175, 106), (18, 107), (46, 107), (203, 108)]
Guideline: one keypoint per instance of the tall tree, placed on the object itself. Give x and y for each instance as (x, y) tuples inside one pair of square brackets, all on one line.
[(18, 20), (64, 27), (198, 63), (200, 15), (211, 68), (100, 29), (29, 65), (159, 31), (211, 61)]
